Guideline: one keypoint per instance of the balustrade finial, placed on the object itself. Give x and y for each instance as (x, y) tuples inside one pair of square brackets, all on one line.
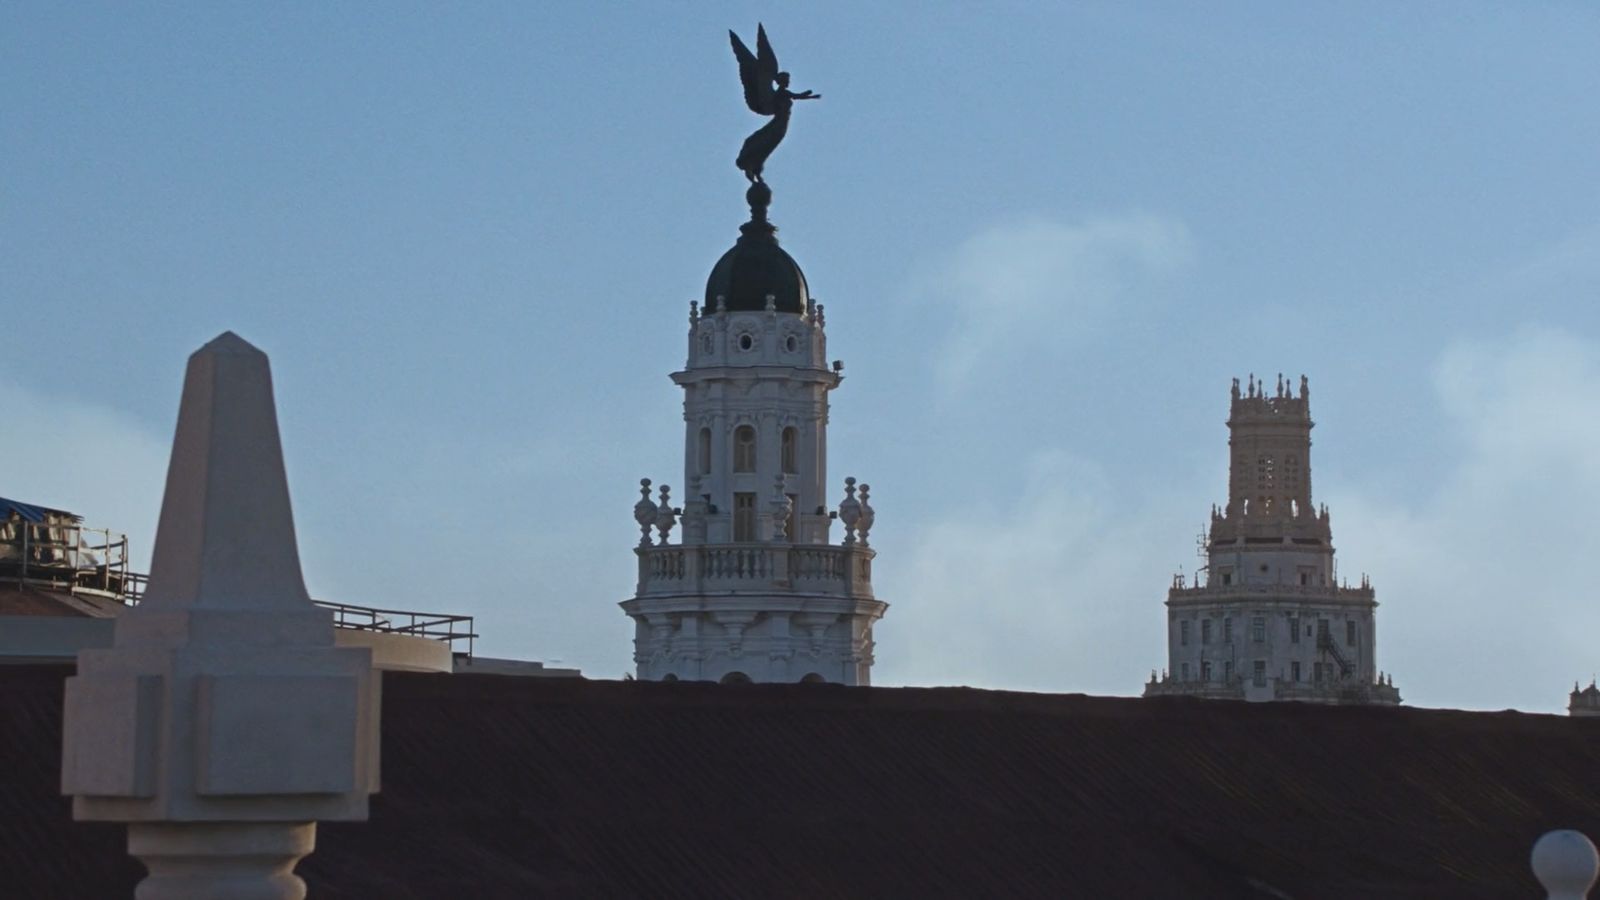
[(666, 516), (867, 514), (849, 511), (644, 512)]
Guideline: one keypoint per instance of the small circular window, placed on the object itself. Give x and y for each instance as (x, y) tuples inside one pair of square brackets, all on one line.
[(746, 342), (791, 344)]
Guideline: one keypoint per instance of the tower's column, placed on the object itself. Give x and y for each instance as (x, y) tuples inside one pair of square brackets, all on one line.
[(721, 464)]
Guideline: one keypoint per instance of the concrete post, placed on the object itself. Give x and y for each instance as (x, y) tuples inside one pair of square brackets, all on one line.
[(223, 722)]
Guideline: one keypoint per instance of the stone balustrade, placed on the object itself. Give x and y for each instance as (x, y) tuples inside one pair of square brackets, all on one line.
[(843, 571)]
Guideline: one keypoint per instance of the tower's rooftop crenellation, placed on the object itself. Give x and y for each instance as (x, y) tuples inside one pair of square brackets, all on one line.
[(1256, 404)]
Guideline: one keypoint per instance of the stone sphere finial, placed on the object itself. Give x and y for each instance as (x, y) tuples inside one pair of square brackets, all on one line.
[(849, 511), (759, 196), (1566, 863), (644, 512), (666, 514), (864, 523)]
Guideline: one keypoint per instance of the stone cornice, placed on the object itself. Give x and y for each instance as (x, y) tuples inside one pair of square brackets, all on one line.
[(1266, 594), (809, 374)]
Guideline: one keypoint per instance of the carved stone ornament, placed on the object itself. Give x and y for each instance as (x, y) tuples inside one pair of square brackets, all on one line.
[(644, 512), (864, 524), (666, 515), (781, 507), (849, 511)]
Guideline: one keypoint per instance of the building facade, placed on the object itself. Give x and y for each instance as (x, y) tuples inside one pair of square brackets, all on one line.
[(1267, 618), (755, 590)]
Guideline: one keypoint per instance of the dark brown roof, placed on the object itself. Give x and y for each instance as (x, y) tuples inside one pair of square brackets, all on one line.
[(509, 787)]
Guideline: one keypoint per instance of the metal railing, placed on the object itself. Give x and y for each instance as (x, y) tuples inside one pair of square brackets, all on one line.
[(78, 560), (64, 556), (436, 626)]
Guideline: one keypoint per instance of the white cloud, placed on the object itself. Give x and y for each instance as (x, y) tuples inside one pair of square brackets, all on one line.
[(1057, 589), (1050, 278), (1489, 585), (75, 455)]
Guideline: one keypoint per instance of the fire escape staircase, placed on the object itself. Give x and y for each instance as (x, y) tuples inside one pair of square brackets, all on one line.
[(1326, 644)]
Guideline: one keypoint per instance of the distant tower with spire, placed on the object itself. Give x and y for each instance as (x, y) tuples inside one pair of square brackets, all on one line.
[(1585, 702), (755, 590), (1266, 618)]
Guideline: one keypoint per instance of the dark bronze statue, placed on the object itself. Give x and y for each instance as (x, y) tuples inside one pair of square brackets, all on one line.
[(766, 91)]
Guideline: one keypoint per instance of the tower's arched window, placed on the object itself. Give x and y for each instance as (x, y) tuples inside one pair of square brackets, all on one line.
[(736, 678), (789, 438), (704, 450), (744, 449)]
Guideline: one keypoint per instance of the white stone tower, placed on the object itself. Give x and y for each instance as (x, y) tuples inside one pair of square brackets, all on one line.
[(755, 591), (1269, 621)]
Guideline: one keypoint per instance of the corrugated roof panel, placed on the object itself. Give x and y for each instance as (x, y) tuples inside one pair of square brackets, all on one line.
[(32, 512)]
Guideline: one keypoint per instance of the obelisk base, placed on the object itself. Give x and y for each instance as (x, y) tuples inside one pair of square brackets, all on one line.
[(207, 860)]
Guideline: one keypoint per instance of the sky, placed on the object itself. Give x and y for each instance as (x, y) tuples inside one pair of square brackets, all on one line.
[(1047, 235)]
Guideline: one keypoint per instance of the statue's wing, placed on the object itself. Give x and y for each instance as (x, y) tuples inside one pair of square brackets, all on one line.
[(764, 54), (757, 81)]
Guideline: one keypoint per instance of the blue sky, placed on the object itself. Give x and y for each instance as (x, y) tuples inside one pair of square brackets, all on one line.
[(1047, 236)]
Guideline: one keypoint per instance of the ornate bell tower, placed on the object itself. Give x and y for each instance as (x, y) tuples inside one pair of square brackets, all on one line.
[(1269, 620), (755, 591)]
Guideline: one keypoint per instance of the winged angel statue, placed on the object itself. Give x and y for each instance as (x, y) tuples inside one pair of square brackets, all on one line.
[(766, 91)]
